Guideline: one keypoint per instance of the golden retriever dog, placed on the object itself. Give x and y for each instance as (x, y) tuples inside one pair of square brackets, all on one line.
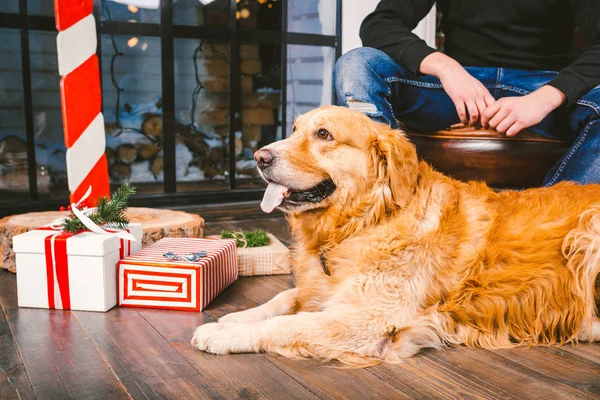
[(391, 256)]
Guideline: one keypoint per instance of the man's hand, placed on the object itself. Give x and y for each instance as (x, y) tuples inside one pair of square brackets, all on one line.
[(467, 93), (513, 114)]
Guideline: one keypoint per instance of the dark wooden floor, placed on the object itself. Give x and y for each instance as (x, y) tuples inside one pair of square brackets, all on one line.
[(140, 353)]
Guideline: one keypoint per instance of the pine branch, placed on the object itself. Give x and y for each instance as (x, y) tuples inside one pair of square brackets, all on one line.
[(72, 225), (257, 238), (115, 208), (108, 212)]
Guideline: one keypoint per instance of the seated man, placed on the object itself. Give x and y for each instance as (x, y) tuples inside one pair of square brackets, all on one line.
[(509, 65)]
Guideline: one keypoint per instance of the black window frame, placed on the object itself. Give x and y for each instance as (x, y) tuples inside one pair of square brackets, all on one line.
[(167, 31)]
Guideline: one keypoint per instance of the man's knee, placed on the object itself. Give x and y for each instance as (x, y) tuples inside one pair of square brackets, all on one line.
[(361, 82), (358, 65), (357, 60), (360, 70)]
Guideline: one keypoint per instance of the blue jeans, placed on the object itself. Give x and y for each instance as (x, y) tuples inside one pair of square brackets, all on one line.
[(369, 80)]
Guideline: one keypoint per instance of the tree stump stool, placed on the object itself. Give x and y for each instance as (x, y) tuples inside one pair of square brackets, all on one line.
[(156, 223)]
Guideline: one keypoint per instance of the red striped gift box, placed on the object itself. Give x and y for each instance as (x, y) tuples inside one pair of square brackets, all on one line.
[(148, 279)]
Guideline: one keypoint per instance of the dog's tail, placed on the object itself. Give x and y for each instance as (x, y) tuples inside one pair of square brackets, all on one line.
[(581, 247)]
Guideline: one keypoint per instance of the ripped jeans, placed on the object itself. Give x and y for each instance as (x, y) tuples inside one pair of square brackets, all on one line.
[(370, 81)]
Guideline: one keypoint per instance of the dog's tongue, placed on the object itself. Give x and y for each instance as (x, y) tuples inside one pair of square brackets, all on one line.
[(273, 197)]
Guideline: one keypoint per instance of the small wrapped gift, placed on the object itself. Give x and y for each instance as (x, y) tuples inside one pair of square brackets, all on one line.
[(61, 270), (272, 259), (177, 273)]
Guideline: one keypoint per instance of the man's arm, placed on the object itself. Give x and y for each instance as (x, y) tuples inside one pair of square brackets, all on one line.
[(584, 73), (388, 29)]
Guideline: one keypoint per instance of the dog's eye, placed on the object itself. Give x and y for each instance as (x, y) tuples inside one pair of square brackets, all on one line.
[(294, 128), (323, 134)]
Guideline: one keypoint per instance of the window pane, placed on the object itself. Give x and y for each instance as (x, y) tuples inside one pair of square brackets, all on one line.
[(116, 11), (193, 12), (9, 6), (261, 100), (309, 79), (14, 184), (133, 111), (259, 14), (47, 117), (202, 114), (312, 16), (40, 7)]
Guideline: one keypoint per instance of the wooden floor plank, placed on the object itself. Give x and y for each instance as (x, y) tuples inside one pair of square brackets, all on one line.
[(261, 289), (505, 375), (60, 360), (320, 379), (147, 365), (433, 380), (236, 376), (559, 365), (590, 351), (14, 381), (339, 383)]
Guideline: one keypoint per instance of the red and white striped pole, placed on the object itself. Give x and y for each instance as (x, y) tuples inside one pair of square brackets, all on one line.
[(81, 99)]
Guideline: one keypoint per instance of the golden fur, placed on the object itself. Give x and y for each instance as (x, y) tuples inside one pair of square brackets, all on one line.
[(417, 259)]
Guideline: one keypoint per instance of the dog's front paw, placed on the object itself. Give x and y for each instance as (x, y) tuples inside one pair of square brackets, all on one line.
[(221, 338), (244, 317)]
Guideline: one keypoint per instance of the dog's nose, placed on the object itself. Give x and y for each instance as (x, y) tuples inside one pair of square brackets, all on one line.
[(263, 157)]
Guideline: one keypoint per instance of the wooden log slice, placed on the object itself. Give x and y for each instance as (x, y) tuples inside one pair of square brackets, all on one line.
[(126, 153), (120, 171), (157, 165), (147, 151), (157, 224), (111, 155)]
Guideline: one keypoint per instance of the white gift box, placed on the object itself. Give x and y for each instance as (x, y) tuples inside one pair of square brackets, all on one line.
[(76, 272)]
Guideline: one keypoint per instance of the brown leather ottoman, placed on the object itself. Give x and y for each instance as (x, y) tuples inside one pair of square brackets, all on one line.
[(469, 153)]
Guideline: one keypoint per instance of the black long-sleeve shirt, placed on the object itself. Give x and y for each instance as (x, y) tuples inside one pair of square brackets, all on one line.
[(522, 34)]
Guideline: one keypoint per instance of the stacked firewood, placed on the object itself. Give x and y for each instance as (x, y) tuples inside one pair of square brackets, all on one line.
[(145, 149), (204, 145)]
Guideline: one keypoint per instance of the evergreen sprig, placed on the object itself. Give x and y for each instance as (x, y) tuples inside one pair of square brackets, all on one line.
[(109, 213), (257, 238)]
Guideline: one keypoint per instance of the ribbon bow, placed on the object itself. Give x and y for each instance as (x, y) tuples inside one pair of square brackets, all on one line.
[(88, 223)]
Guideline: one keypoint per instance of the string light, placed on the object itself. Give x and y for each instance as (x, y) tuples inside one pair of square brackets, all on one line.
[(244, 13), (133, 8), (133, 42)]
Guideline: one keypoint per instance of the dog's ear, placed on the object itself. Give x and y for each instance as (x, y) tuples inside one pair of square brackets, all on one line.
[(397, 165)]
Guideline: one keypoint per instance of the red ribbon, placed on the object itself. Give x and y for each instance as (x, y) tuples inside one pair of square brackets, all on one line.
[(122, 247), (57, 260)]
